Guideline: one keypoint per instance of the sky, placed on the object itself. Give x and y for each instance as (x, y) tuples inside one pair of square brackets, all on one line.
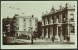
[(10, 8)]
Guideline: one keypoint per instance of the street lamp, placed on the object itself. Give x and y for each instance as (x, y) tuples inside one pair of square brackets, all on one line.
[(31, 35)]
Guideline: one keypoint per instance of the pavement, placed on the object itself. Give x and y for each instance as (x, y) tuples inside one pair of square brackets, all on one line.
[(14, 41), (46, 42)]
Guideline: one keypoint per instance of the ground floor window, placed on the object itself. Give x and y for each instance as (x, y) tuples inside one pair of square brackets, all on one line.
[(72, 28)]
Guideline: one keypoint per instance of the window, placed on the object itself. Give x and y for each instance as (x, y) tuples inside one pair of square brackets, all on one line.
[(24, 19), (24, 25), (64, 19), (72, 28), (49, 19), (24, 29), (72, 13), (30, 20), (30, 24), (35, 24), (27, 19), (36, 20), (71, 17), (55, 17), (59, 19), (17, 28), (14, 24)]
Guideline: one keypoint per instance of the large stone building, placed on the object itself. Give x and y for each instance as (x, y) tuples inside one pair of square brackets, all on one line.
[(25, 25), (59, 24)]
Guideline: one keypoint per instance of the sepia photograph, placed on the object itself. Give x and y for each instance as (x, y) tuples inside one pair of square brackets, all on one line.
[(38, 24)]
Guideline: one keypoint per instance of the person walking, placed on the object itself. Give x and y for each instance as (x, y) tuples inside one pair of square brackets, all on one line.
[(52, 38)]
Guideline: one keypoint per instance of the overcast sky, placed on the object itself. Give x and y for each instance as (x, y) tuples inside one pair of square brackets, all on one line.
[(9, 8)]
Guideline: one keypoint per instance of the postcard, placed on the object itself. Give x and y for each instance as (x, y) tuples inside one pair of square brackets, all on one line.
[(38, 24)]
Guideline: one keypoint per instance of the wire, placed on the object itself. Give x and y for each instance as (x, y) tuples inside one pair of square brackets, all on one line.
[(10, 7)]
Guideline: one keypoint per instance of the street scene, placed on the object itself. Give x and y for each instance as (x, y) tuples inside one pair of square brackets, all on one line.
[(39, 23)]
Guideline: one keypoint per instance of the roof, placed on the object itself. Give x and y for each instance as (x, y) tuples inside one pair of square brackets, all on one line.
[(56, 11), (24, 16)]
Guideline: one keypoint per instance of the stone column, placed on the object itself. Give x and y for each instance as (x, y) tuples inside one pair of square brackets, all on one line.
[(68, 21), (57, 37), (42, 32), (51, 32), (46, 32), (57, 20), (61, 36), (61, 18), (42, 22), (68, 29), (57, 30), (51, 20), (57, 27), (47, 20)]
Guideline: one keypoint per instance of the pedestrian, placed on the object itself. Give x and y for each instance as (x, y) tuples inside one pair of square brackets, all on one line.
[(42, 37), (52, 38), (68, 39)]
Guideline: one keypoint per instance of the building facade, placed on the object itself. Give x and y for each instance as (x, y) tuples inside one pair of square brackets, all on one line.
[(59, 24), (39, 27), (25, 25)]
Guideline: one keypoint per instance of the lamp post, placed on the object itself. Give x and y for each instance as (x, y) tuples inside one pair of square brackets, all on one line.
[(31, 38)]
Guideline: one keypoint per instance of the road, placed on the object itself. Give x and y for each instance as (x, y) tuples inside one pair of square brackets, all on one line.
[(14, 41)]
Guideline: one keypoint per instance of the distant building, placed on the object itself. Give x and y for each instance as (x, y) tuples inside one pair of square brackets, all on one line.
[(59, 23), (6, 26), (25, 25)]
